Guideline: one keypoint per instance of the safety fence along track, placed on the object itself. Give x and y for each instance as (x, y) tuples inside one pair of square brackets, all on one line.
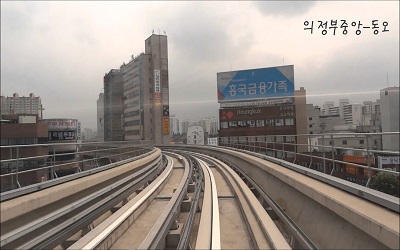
[(150, 219), (48, 217), (311, 209)]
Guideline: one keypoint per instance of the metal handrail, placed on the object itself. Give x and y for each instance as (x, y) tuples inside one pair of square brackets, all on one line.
[(261, 143), (49, 162)]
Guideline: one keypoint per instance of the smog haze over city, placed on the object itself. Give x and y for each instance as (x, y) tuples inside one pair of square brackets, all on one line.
[(61, 51)]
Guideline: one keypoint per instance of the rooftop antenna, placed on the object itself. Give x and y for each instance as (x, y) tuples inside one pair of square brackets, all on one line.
[(165, 32), (152, 31)]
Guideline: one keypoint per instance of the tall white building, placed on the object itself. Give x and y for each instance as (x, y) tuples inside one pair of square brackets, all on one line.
[(342, 102), (195, 135), (370, 112), (352, 113), (21, 105), (389, 108)]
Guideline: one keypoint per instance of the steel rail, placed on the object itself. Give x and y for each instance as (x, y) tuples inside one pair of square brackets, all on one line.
[(209, 234), (79, 213), (295, 231), (4, 196), (156, 237), (107, 228), (248, 202), (184, 240)]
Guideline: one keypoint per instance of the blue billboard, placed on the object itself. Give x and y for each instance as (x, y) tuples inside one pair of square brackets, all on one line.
[(255, 84)]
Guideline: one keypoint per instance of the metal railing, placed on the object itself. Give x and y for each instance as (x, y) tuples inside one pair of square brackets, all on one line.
[(24, 165), (318, 149)]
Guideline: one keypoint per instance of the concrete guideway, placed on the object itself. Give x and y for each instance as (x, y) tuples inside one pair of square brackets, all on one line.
[(54, 204), (332, 218), (263, 233), (107, 233), (208, 236)]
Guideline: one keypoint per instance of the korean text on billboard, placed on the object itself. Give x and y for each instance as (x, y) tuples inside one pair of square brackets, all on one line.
[(256, 84), (157, 86)]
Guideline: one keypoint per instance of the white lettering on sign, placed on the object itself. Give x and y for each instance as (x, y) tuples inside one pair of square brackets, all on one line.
[(248, 112), (157, 86)]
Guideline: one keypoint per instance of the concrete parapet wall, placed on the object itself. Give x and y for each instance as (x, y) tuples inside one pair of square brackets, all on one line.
[(331, 218), (25, 204)]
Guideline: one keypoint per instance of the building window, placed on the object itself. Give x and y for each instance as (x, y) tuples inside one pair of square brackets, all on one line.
[(330, 142), (233, 124), (361, 141), (310, 126), (279, 122), (260, 123), (251, 123), (269, 122), (344, 142), (224, 124), (310, 118), (289, 121), (242, 123)]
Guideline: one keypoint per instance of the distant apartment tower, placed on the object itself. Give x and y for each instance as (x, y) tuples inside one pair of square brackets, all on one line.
[(21, 105), (389, 108), (352, 114), (146, 93), (113, 106), (371, 113), (183, 128), (174, 125), (100, 118), (195, 135), (342, 102)]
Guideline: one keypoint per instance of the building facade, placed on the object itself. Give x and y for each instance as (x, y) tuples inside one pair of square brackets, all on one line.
[(22, 105), (100, 118), (113, 106), (146, 93), (195, 135), (23, 130), (389, 108), (352, 113), (313, 122), (260, 103)]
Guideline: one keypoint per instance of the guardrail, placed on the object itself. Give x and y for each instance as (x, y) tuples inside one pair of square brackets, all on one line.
[(318, 149), (24, 165)]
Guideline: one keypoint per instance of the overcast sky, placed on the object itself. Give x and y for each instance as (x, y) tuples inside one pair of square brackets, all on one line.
[(60, 51)]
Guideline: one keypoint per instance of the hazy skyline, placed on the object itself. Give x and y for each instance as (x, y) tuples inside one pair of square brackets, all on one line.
[(61, 51)]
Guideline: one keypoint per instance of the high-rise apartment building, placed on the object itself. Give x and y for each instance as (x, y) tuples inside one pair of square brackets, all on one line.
[(352, 113), (146, 93), (174, 125), (113, 106), (21, 105), (342, 102), (389, 108), (100, 118)]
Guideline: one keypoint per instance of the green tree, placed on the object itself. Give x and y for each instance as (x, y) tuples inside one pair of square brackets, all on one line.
[(386, 183)]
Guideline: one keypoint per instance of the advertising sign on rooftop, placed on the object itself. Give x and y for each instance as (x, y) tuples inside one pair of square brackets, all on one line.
[(256, 84)]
